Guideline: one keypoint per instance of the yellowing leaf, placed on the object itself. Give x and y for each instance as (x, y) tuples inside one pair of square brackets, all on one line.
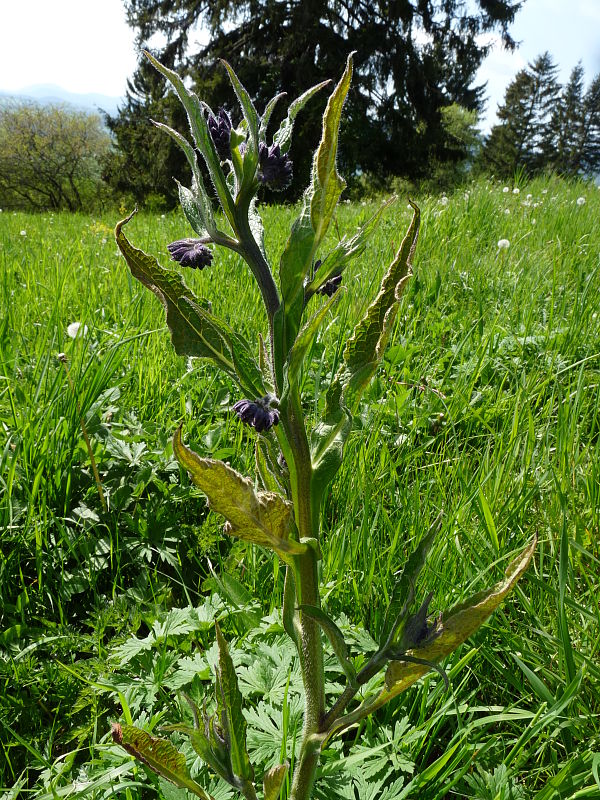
[(159, 755), (264, 518)]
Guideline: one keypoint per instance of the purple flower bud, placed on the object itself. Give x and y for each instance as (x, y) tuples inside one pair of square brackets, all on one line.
[(190, 253), (259, 414), (219, 127), (274, 169), (331, 286)]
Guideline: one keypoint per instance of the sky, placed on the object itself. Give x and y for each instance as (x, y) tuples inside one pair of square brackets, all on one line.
[(86, 46)]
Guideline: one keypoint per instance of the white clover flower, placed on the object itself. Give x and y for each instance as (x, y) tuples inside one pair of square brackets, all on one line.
[(581, 201), (74, 328), (23, 233), (503, 244), (516, 190), (506, 190)]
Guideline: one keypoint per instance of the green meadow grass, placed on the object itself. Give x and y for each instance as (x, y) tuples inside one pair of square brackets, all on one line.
[(487, 409)]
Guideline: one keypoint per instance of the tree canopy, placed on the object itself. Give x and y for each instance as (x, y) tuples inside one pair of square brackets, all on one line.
[(543, 126), (50, 156), (413, 59)]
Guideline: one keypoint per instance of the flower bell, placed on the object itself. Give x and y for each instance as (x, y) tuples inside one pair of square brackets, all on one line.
[(219, 127), (274, 169), (190, 253), (259, 413)]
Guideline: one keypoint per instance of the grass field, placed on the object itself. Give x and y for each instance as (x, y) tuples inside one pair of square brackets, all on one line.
[(488, 409)]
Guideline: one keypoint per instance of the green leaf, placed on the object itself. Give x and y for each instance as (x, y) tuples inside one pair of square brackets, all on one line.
[(403, 592), (361, 357), (452, 629), (310, 227), (196, 204), (250, 113), (159, 755), (306, 337), (194, 330), (263, 518), (202, 137), (232, 704), (215, 758), (457, 624), (266, 117), (335, 636), (283, 137), (347, 249), (273, 781), (364, 350), (266, 469)]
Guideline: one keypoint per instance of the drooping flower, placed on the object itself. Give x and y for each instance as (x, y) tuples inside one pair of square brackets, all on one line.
[(259, 413), (219, 127), (330, 287), (274, 169), (190, 253)]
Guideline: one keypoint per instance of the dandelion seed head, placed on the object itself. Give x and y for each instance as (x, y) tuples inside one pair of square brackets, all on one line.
[(74, 328), (506, 190), (516, 190), (503, 244), (581, 201)]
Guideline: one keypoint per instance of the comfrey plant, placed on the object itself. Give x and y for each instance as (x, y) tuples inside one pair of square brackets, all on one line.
[(294, 465)]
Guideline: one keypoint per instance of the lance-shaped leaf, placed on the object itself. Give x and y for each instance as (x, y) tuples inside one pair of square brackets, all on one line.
[(266, 117), (336, 639), (214, 757), (452, 629), (263, 518), (283, 137), (403, 591), (201, 134), (362, 354), (252, 119), (159, 755), (347, 249), (311, 226), (233, 721), (194, 330), (196, 204), (273, 781), (364, 350)]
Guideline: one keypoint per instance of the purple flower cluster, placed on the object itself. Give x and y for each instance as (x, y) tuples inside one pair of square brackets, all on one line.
[(274, 169), (190, 253), (331, 286), (259, 414), (219, 127)]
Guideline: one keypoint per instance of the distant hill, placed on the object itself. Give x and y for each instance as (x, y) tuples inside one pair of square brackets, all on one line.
[(50, 93)]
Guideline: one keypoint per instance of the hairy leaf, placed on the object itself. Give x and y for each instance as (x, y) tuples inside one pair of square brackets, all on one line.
[(311, 226), (264, 518), (215, 758), (232, 702), (283, 137), (347, 249), (336, 639), (194, 330), (159, 755), (404, 588), (202, 137), (452, 629)]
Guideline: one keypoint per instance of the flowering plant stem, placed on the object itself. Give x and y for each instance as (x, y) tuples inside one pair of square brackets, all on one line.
[(297, 457)]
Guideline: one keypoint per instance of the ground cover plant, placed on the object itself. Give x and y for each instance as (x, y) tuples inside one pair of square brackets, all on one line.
[(486, 405)]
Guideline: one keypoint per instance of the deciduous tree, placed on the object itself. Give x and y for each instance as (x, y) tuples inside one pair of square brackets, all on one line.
[(50, 156)]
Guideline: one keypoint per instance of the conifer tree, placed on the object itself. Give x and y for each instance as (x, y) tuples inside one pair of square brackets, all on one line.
[(413, 58)]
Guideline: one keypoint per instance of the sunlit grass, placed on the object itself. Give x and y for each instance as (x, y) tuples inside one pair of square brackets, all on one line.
[(488, 409)]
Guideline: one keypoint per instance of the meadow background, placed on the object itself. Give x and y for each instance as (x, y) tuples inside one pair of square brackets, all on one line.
[(487, 408)]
